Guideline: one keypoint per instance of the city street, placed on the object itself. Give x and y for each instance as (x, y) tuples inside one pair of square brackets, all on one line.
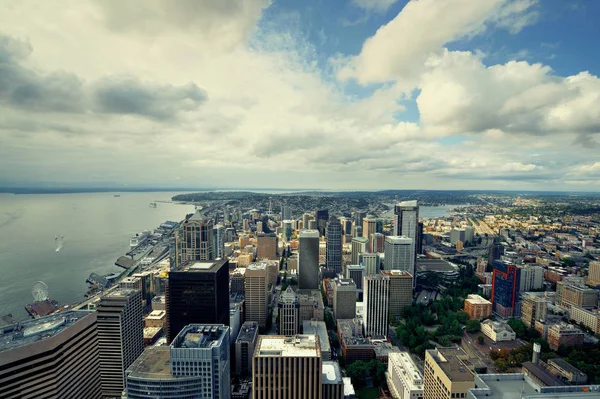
[(482, 351)]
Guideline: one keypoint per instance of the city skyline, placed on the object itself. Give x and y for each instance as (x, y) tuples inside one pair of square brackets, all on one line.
[(302, 94)]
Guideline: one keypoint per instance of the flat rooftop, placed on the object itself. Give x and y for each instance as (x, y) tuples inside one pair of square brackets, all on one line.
[(200, 336), (309, 234), (318, 328), (248, 332), (28, 332), (332, 374), (399, 239), (454, 362), (296, 346), (154, 362), (199, 267), (477, 300), (435, 265)]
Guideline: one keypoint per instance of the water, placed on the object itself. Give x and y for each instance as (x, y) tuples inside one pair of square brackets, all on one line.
[(96, 229)]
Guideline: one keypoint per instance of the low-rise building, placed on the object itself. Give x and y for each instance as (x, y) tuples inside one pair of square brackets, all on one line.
[(383, 349), (588, 318), (523, 387), (497, 331), (477, 307), (563, 334), (566, 371), (572, 291), (156, 318), (404, 379), (333, 385), (352, 341)]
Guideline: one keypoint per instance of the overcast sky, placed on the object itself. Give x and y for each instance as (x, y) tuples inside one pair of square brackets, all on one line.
[(331, 94)]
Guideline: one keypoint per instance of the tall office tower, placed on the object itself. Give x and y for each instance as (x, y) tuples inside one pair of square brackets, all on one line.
[(376, 298), (312, 225), (469, 234), (288, 312), (594, 273), (398, 254), (508, 282), (360, 245), (229, 234), (255, 283), (246, 225), (286, 212), (334, 245), (356, 231), (51, 357), (322, 217), (495, 253), (447, 374), (369, 227), (404, 378), (120, 337), (370, 262), (286, 227), (197, 239), (195, 365), (306, 217), (197, 293), (299, 356), (377, 241), (457, 234), (406, 223), (533, 308), (346, 225), (344, 298), (356, 273), (358, 218), (237, 281), (401, 291), (308, 260), (244, 348), (219, 231), (259, 227), (266, 247)]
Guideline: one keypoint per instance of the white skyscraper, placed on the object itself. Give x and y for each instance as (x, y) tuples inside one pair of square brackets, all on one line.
[(376, 305), (398, 254)]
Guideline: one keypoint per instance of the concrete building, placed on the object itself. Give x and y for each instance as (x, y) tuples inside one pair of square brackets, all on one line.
[(308, 260), (195, 365), (398, 254), (286, 212), (244, 348), (334, 246), (311, 306), (376, 298), (406, 223), (447, 374), (562, 334), (344, 298), (359, 245), (288, 309), (120, 337), (333, 385), (457, 234), (237, 281), (588, 318), (565, 371), (197, 239), (219, 240), (300, 356), (51, 357), (508, 282), (401, 291), (369, 227), (266, 247), (371, 262), (594, 273), (318, 328), (572, 291), (255, 284), (352, 341), (376, 242), (197, 293), (156, 318), (477, 307), (497, 331), (404, 379), (356, 274), (533, 308)]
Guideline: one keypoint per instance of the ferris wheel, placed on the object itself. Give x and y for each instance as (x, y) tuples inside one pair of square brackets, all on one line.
[(40, 291)]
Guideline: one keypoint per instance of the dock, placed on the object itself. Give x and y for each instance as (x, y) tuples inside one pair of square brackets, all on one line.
[(125, 262)]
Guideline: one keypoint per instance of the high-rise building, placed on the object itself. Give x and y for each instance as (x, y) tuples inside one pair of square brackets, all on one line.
[(398, 254), (289, 312), (572, 291), (359, 245), (376, 298), (406, 217), (120, 337), (358, 218), (259, 227), (477, 307), (197, 239), (322, 216), (369, 227), (308, 260), (401, 291), (305, 219), (286, 212), (371, 263), (563, 335), (219, 231), (447, 374), (195, 365), (334, 245), (344, 299), (495, 253), (51, 357), (356, 231), (377, 242), (356, 273), (594, 273), (311, 306), (419, 238), (346, 225), (404, 378), (266, 247), (244, 348), (508, 282), (299, 356), (255, 283), (457, 234), (197, 293), (533, 308)]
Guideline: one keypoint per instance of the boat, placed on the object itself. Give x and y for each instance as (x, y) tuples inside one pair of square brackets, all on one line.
[(153, 205), (138, 239)]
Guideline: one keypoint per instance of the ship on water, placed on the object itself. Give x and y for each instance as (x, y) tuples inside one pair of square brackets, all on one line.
[(153, 205)]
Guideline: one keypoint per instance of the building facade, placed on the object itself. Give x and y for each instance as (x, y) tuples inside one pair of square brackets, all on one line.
[(588, 318), (399, 254), (594, 273), (371, 262), (562, 334), (244, 348), (266, 247), (289, 312), (197, 239), (572, 291), (356, 273), (344, 299), (533, 308), (376, 298), (255, 284), (404, 379), (308, 260), (334, 245), (401, 291), (359, 245), (477, 307), (446, 375)]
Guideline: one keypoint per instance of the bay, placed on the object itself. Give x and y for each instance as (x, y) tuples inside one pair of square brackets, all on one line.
[(96, 229)]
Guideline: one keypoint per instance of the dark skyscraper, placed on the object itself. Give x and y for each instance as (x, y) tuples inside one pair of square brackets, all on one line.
[(334, 245), (496, 251), (198, 293), (322, 217), (308, 260), (419, 238)]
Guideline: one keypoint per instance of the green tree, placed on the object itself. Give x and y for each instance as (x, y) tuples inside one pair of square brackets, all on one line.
[(356, 371), (480, 339), (473, 326), (518, 327)]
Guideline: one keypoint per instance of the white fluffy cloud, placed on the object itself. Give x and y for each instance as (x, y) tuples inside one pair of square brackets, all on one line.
[(374, 5)]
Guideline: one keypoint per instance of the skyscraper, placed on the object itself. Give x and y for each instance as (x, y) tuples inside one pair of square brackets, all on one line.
[(334, 245), (197, 293), (255, 283), (197, 239), (398, 254), (356, 273), (308, 260), (244, 348), (322, 217), (195, 365), (369, 227), (370, 262), (51, 357), (401, 291), (344, 299), (287, 367), (376, 305), (286, 212), (359, 245), (288, 312), (358, 218), (406, 219), (266, 247), (120, 337), (219, 231), (377, 241)]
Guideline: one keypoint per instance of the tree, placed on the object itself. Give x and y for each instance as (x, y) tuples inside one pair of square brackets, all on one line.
[(462, 317), (518, 327), (356, 371), (480, 339), (473, 326)]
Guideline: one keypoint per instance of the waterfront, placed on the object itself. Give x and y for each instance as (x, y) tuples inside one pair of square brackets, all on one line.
[(96, 229)]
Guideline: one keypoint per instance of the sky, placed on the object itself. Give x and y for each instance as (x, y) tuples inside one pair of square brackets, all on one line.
[(326, 94)]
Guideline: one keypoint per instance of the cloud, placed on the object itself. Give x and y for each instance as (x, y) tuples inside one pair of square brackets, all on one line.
[(399, 49), (374, 5)]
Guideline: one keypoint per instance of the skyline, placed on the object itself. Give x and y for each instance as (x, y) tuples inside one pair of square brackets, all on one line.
[(348, 96)]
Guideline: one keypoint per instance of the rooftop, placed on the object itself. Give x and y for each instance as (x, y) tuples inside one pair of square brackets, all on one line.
[(296, 346), (363, 240), (309, 234), (203, 267), (477, 300), (415, 377), (156, 315), (399, 239), (396, 273), (154, 362), (541, 374), (454, 362), (351, 330), (27, 332), (563, 364), (435, 265), (248, 332), (317, 328), (344, 282), (332, 373), (407, 204), (200, 336)]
